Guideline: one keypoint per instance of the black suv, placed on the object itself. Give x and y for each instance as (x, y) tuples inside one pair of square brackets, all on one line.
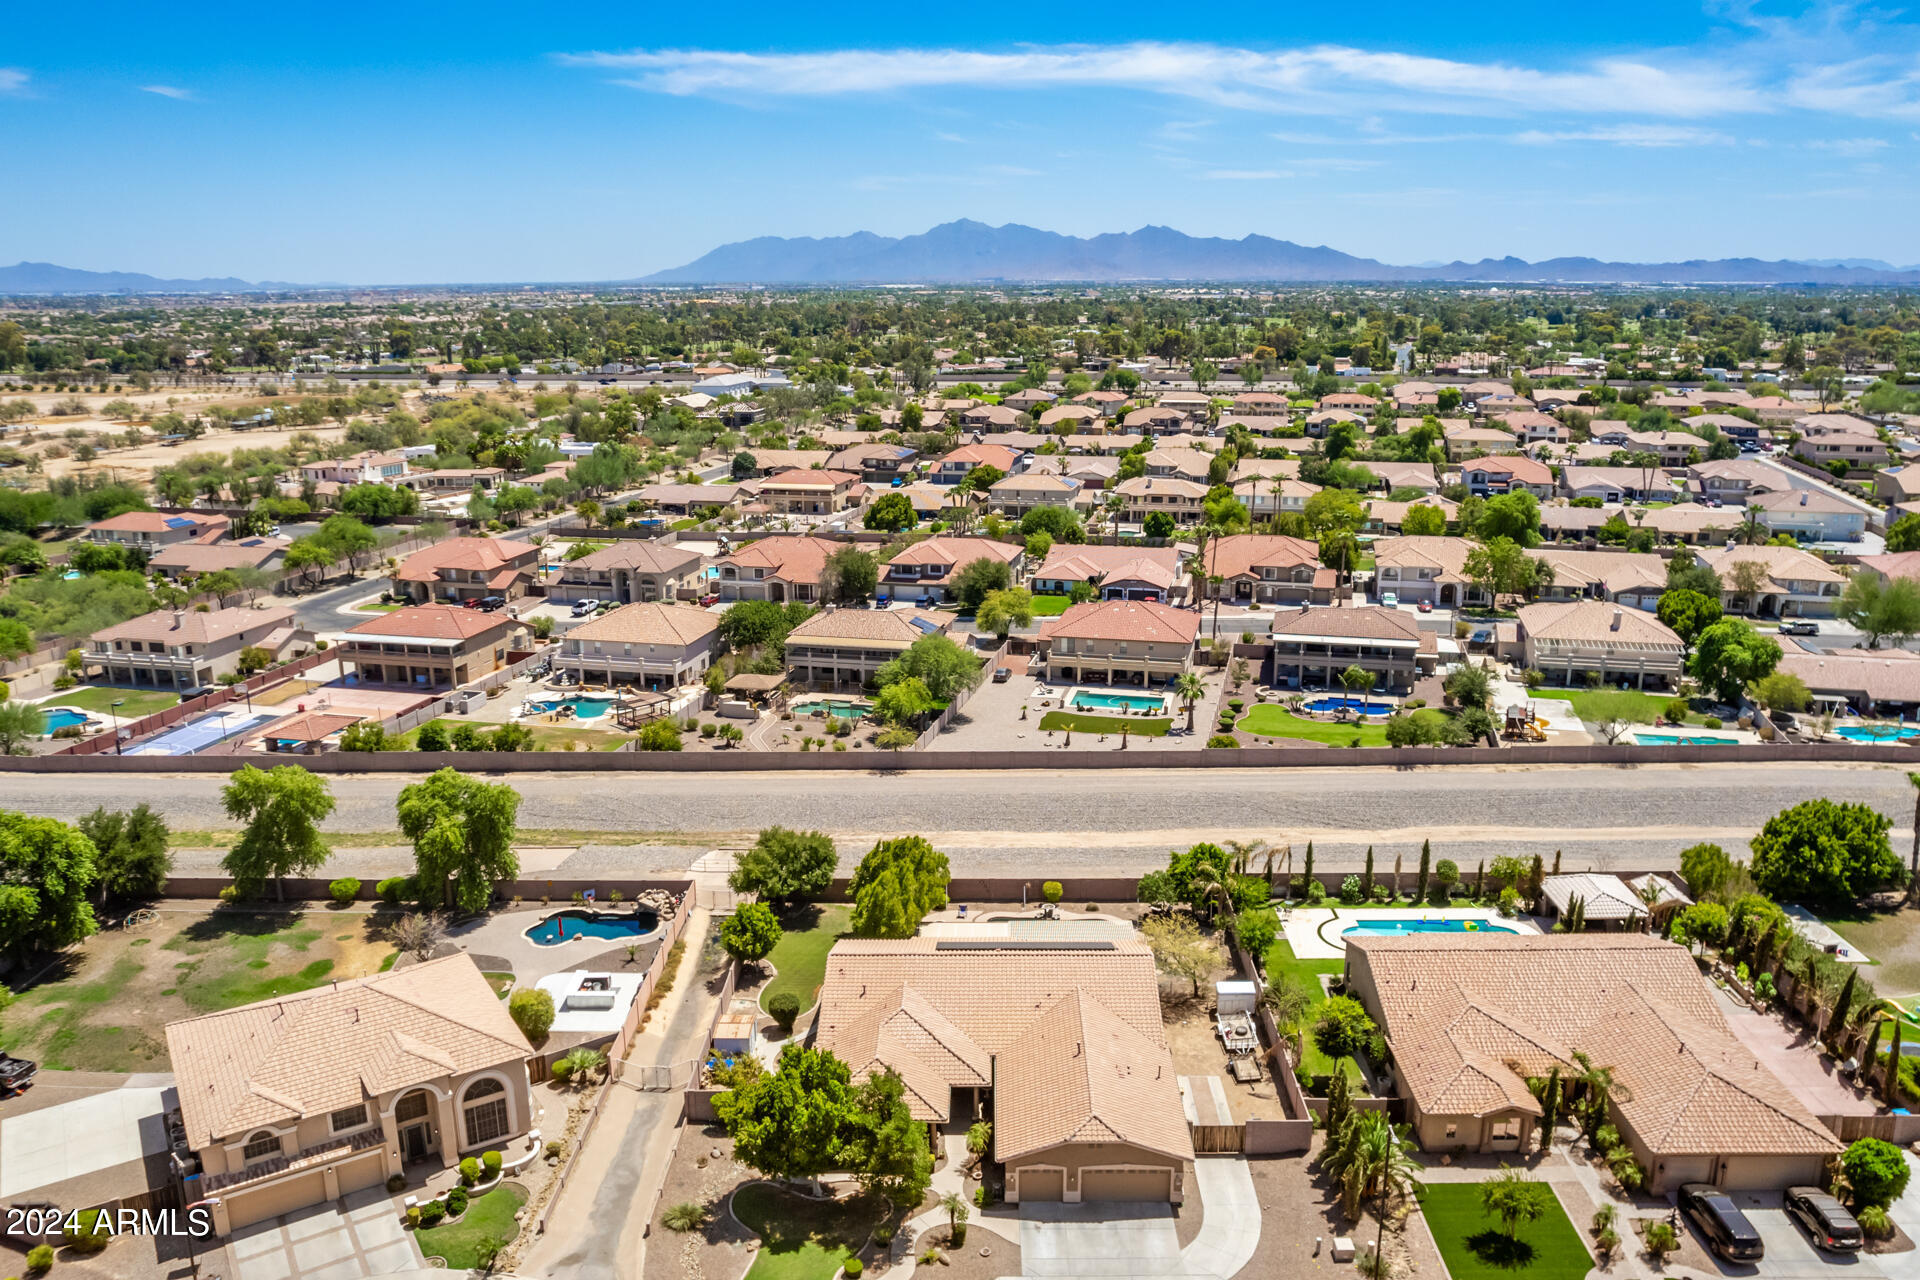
[(1720, 1222), (15, 1074), (1824, 1219)]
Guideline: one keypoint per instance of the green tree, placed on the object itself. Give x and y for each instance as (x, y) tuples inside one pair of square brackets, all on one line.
[(886, 1147), (751, 933), (785, 866), (1876, 1172), (1825, 852), (1369, 1165), (1782, 691), (532, 1011), (1514, 1198), (1501, 567), (660, 735), (20, 724), (849, 576), (896, 885), (1904, 534), (1423, 520), (892, 513), (792, 1123), (1514, 516), (1730, 655), (1707, 870), (46, 870), (1158, 525), (130, 850), (1061, 524), (977, 579), (903, 702), (462, 832), (347, 537), (1884, 608), (938, 661), (1342, 1028), (1002, 611), (1688, 613), (282, 808)]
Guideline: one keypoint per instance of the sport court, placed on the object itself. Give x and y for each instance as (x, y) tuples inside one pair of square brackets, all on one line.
[(209, 730)]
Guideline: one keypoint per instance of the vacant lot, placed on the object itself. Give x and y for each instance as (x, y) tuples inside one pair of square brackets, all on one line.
[(105, 1005)]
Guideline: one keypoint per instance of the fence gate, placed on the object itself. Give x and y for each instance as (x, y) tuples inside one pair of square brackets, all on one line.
[(1218, 1139)]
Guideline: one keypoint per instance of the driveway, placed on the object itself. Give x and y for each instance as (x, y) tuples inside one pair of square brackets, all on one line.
[(1140, 1241), (1797, 1060), (351, 1239), (1790, 1256)]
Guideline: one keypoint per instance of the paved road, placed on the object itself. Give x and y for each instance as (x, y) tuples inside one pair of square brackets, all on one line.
[(1070, 821)]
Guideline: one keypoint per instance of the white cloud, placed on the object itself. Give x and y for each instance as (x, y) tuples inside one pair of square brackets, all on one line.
[(1246, 175), (13, 81), (951, 137), (169, 91), (1627, 135), (1848, 146), (1323, 78)]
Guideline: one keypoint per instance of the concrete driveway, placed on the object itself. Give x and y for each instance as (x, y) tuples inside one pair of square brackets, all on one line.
[(1140, 1241), (351, 1239), (1790, 1255)]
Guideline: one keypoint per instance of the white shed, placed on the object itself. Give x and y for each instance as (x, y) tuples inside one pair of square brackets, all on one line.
[(1236, 996)]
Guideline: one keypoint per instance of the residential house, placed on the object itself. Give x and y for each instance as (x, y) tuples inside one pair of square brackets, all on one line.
[(192, 559), (1116, 573), (309, 1097), (1505, 402), (1486, 476), (1899, 488), (1895, 564), (771, 462), (1247, 468), (1267, 569), (1472, 1021), (1319, 423), (1021, 442), (1141, 496), (1119, 642), (1032, 400), (1195, 405), (990, 417), (1462, 440), (778, 568), (877, 464), (1352, 401), (430, 646), (1606, 901), (1094, 474), (687, 499), (1616, 484), (1534, 428), (812, 492), (1404, 475), (1017, 495), (841, 648), (953, 468), (925, 570), (1183, 464), (1775, 582), (655, 645), (1156, 420), (1567, 640), (1424, 567), (1311, 647), (1260, 404), (456, 479), (151, 530), (1872, 682), (1109, 403), (1063, 1040), (628, 571), (186, 649), (1856, 450), (1635, 579), (1732, 481), (370, 467), (1077, 417), (1386, 516), (467, 569), (1812, 515), (1263, 497)]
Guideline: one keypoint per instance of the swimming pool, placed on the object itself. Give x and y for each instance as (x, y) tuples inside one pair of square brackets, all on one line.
[(1682, 740), (585, 706), (64, 718), (1334, 702), (1117, 701), (1396, 928), (567, 926), (1878, 732), (839, 708)]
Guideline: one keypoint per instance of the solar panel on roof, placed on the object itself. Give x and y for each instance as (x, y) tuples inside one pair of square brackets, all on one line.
[(925, 624), (178, 522)]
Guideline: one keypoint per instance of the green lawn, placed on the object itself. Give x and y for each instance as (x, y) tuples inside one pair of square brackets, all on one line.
[(1641, 708), (1474, 1247), (1142, 726), (1050, 606), (376, 607), (546, 737), (1271, 720), (487, 1215), (801, 957), (805, 1239), (1280, 962), (139, 702)]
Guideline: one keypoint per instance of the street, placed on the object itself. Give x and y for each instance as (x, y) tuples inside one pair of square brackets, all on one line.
[(1021, 822)]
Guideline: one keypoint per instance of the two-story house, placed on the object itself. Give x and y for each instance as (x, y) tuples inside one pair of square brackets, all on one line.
[(1568, 640), (370, 467), (844, 648), (812, 493), (1267, 569), (430, 646), (1732, 481), (1141, 496), (151, 530), (1855, 449), (628, 571), (1312, 647), (1016, 495), (1423, 567), (1462, 439), (187, 649), (1775, 582), (1811, 515), (877, 464), (467, 569), (1264, 497), (1115, 573), (1617, 484), (778, 568), (953, 468), (655, 645), (1119, 642), (1507, 474), (925, 570)]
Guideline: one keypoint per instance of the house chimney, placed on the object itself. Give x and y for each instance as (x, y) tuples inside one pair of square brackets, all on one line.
[(177, 615), (1616, 621), (1803, 497)]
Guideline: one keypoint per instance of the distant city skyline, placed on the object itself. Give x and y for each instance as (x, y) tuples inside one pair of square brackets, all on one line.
[(601, 142)]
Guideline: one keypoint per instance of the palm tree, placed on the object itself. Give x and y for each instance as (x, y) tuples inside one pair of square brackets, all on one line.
[(1242, 851), (1190, 689), (1369, 1165), (1913, 875), (1212, 889), (1600, 1090), (956, 1206)]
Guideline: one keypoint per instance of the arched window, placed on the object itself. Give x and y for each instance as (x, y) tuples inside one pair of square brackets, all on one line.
[(260, 1146), (485, 1108)]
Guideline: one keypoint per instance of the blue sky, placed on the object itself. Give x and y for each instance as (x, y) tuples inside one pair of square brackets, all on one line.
[(490, 142)]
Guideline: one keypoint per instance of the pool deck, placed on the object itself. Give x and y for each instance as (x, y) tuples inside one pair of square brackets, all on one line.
[(1314, 932)]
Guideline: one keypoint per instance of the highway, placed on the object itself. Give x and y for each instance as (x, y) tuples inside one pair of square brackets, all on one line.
[(1023, 822)]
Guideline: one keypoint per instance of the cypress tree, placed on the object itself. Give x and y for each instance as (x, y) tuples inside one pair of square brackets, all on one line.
[(1550, 1109), (1306, 874), (1426, 859), (1396, 876), (1366, 878), (1535, 879), (1480, 880), (1556, 862)]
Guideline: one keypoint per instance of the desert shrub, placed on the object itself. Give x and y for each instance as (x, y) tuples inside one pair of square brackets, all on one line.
[(1350, 890), (1223, 739), (852, 1268), (685, 1216), (397, 1182), (88, 1234), (39, 1258), (343, 891), (784, 1008), (1676, 709), (1713, 722), (532, 1011), (1874, 1221), (230, 894), (1052, 891), (1662, 1239)]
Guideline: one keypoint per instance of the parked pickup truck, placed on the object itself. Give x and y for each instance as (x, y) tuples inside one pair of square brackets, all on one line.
[(15, 1074)]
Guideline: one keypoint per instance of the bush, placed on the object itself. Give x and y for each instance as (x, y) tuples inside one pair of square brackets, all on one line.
[(1661, 1239), (230, 894), (89, 1234), (1223, 740), (1713, 722), (685, 1216), (469, 1171), (785, 1009), (1676, 710), (397, 1182), (708, 730), (852, 1268), (343, 891), (1627, 1171), (431, 1213), (456, 1202), (1052, 891), (391, 889), (1875, 1170), (491, 1162), (980, 1196), (532, 1011), (39, 1258), (1350, 890), (1874, 1221)]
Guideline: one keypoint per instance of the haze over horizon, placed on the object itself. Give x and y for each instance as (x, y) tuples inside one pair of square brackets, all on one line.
[(275, 145)]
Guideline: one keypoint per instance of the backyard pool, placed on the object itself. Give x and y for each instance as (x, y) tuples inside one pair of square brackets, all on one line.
[(64, 718), (1364, 706), (585, 706), (1396, 928), (1118, 701), (1682, 740), (839, 708), (567, 926), (1878, 732)]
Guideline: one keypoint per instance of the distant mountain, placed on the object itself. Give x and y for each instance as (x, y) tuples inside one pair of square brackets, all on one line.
[(45, 277), (971, 252)]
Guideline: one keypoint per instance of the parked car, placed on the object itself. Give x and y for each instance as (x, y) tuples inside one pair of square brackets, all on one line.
[(15, 1074), (1002, 674), (1425, 606), (1824, 1219), (710, 599), (493, 604), (1800, 627), (1720, 1222), (1390, 600), (581, 608), (198, 691)]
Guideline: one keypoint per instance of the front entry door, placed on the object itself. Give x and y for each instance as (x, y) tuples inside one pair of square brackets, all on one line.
[(415, 1139)]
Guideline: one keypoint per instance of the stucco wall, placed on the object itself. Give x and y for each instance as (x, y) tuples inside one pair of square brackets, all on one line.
[(1075, 1157)]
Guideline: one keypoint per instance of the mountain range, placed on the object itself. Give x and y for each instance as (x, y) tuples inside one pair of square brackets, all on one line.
[(965, 252), (45, 278)]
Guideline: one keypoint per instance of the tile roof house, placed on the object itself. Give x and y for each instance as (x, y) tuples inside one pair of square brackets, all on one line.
[(1636, 579), (1871, 681), (685, 499), (836, 648), (778, 568), (1263, 496), (1614, 484), (1787, 582), (656, 645), (925, 570), (1067, 1038), (1267, 569), (1116, 573), (1484, 476), (1468, 1021), (953, 468), (813, 492), (1429, 567), (1568, 639), (467, 569), (875, 463), (186, 649), (1141, 496), (306, 1098), (191, 559), (430, 646), (767, 462), (626, 571), (1812, 514), (1463, 438), (1735, 480), (1604, 899), (1017, 495), (151, 530), (1135, 642), (1311, 647)]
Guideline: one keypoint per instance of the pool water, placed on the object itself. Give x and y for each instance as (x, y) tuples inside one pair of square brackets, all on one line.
[(1878, 732), (585, 706), (1364, 706), (64, 718), (565, 926), (1682, 740), (839, 708), (1117, 701), (1395, 928)]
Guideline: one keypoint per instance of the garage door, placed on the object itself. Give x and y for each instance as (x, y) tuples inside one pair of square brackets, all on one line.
[(358, 1175), (1042, 1184), (275, 1199), (1126, 1184)]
